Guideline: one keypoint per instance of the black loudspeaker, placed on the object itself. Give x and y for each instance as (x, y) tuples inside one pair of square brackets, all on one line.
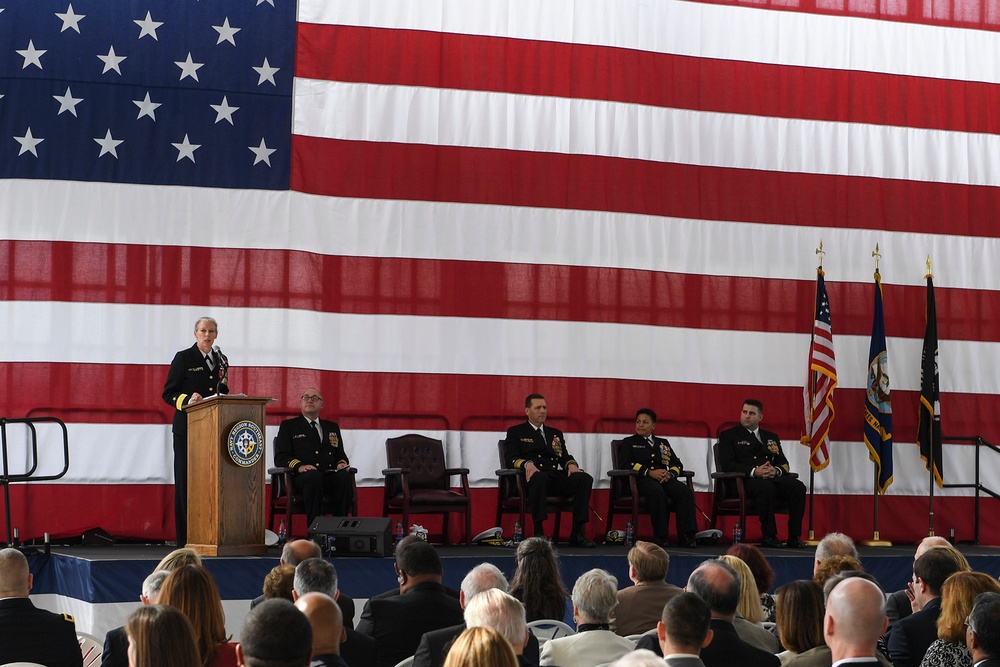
[(352, 536)]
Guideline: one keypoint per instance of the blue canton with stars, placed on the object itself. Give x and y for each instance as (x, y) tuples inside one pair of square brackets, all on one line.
[(159, 92)]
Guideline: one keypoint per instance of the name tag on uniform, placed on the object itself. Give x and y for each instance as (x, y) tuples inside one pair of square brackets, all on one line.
[(299, 435), (744, 443), (196, 368), (527, 439)]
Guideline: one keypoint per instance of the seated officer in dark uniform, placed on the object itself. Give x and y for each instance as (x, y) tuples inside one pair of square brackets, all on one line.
[(658, 466), (29, 634), (314, 448), (549, 469), (749, 449)]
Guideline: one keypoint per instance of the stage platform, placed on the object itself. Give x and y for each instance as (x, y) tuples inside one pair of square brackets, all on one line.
[(100, 585)]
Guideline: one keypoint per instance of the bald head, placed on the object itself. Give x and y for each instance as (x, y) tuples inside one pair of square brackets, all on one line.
[(326, 620), (855, 618), (15, 580), (297, 551), (928, 542)]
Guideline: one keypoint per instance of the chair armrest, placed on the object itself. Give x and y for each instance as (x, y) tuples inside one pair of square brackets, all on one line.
[(507, 472), (686, 473), (621, 473), (456, 471), (793, 475), (395, 471), (729, 475)]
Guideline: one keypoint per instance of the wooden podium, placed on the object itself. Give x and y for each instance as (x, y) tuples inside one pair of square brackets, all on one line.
[(226, 498)]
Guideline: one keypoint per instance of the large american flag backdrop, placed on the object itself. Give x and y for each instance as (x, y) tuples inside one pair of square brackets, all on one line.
[(430, 209)]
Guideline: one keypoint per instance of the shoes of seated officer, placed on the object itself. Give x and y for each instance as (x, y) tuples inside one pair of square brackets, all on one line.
[(770, 543), (795, 544), (580, 540), (688, 542)]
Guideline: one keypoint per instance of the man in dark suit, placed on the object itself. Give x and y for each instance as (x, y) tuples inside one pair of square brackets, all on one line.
[(275, 632), (115, 652), (715, 582), (982, 636), (398, 622), (749, 449), (912, 636), (855, 619), (657, 467), (29, 634), (327, 629), (315, 575), (684, 629), (549, 469), (314, 448), (197, 373)]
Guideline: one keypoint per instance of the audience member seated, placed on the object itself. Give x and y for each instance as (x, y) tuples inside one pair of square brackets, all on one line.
[(715, 582), (192, 590), (29, 634), (834, 565), (293, 553), (684, 629), (900, 604), (912, 636), (275, 633), (749, 612), (834, 544), (279, 583), (640, 606), (957, 597), (799, 612), (327, 624), (537, 580), (481, 647), (855, 618), (496, 609), (983, 636), (397, 623), (594, 598), (315, 575), (642, 657), (434, 645), (763, 575), (160, 635), (115, 652), (178, 558)]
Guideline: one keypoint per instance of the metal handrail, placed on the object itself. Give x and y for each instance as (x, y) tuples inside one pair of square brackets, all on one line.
[(6, 478), (979, 442)]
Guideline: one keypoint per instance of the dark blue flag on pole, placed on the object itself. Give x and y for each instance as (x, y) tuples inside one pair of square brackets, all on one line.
[(929, 430), (878, 407)]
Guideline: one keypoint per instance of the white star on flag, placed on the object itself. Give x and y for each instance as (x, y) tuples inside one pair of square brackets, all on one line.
[(186, 149), (262, 153), (70, 20), (224, 110), (189, 68), (28, 143), (67, 102), (33, 56), (266, 73), (109, 144), (146, 108), (111, 61), (148, 26), (261, 2), (226, 32)]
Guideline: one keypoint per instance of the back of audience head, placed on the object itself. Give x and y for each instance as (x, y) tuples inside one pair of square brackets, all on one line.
[(315, 575), (960, 559), (296, 551), (835, 544), (931, 569), (855, 618), (763, 574), (481, 578), (685, 625), (419, 559), (983, 637), (151, 586), (178, 558), (848, 574), (15, 577), (326, 621), (718, 584), (160, 635), (595, 594), (649, 562), (835, 565), (799, 611), (537, 580), (928, 542), (275, 634), (481, 647), (641, 657), (278, 582), (494, 608), (192, 590), (749, 605), (958, 593)]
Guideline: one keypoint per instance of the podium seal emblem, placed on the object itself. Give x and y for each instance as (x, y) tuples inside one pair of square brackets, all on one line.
[(245, 443)]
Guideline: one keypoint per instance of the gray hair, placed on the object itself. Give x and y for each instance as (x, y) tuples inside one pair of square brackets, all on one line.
[(836, 544), (483, 577), (641, 657), (315, 575), (151, 585), (718, 584), (595, 594), (206, 319), (496, 609)]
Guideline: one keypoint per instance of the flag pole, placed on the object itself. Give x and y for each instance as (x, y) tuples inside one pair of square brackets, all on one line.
[(811, 424), (876, 540), (930, 436)]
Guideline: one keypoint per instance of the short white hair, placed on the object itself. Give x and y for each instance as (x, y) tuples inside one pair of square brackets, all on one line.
[(495, 609), (641, 657), (152, 584), (836, 544), (595, 594), (481, 578)]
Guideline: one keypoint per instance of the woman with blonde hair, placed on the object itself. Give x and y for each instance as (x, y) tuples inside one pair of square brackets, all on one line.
[(160, 635), (799, 611), (957, 596), (481, 647), (749, 606), (192, 590), (178, 558)]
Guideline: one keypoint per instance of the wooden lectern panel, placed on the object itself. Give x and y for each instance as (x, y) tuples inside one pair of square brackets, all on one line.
[(225, 500)]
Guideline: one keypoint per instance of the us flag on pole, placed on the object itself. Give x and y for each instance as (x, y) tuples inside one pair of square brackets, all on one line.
[(821, 382)]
